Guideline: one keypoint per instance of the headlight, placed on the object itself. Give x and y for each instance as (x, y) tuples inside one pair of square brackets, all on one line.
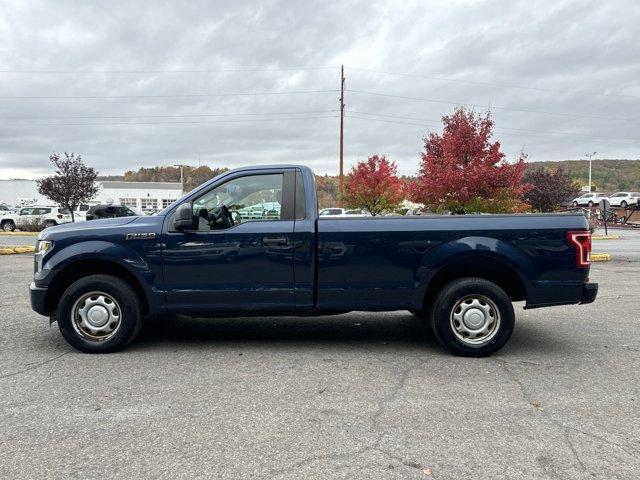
[(43, 246)]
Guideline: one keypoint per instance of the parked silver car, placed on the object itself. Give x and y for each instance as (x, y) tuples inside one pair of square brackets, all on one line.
[(589, 199)]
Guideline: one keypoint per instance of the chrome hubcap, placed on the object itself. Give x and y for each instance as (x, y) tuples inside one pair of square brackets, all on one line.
[(96, 316), (475, 319)]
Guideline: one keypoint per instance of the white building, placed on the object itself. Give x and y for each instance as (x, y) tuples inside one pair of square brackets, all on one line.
[(142, 195), (147, 196)]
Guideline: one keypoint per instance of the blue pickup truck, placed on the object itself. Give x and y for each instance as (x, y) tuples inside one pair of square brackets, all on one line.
[(250, 243)]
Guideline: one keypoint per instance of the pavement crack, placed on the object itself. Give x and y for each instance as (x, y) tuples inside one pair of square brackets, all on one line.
[(390, 397), (512, 376), (398, 458), (565, 429), (572, 448), (631, 453), (33, 366), (315, 458), (381, 406)]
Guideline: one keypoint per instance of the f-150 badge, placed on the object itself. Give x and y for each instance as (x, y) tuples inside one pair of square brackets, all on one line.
[(140, 236)]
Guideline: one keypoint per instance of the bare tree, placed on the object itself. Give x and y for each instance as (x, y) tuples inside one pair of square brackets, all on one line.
[(72, 184)]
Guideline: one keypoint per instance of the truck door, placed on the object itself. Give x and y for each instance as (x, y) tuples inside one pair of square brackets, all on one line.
[(238, 256)]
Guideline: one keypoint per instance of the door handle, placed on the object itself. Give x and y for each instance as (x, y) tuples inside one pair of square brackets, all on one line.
[(275, 241)]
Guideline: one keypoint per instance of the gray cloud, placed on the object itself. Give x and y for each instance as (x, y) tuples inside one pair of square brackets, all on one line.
[(569, 48)]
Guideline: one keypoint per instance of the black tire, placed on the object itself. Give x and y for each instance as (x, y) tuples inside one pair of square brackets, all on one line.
[(575, 204), (8, 226), (590, 204), (50, 223), (130, 313), (448, 298), (624, 204)]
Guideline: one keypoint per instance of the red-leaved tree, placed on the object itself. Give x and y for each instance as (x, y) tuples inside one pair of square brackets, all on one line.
[(463, 171), (373, 185)]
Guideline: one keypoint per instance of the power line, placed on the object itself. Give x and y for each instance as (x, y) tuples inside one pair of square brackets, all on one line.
[(169, 71), (497, 128), (448, 102), (502, 128), (186, 95), (84, 124), (186, 115), (500, 85)]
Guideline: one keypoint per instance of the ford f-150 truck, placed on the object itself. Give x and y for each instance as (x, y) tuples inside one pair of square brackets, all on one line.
[(249, 243)]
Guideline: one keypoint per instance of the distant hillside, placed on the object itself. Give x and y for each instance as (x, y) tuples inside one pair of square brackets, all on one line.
[(106, 178), (606, 175)]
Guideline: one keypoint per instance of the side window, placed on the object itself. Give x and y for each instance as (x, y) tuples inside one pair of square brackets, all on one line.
[(245, 199), (26, 211)]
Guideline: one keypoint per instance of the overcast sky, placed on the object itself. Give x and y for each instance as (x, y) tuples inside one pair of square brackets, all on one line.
[(562, 79)]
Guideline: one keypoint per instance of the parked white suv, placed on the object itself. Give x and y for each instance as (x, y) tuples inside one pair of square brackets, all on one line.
[(45, 216), (624, 199), (589, 199)]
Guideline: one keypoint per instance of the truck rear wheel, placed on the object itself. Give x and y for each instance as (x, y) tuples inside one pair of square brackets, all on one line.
[(99, 314), (472, 317)]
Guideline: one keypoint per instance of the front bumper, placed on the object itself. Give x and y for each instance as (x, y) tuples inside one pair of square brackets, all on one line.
[(38, 299), (589, 293)]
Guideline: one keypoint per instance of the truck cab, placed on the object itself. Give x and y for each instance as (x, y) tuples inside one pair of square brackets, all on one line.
[(250, 242)]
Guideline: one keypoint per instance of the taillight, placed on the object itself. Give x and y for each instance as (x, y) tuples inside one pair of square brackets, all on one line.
[(582, 243)]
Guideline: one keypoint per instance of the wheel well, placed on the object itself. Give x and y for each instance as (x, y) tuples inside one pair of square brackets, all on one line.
[(83, 268), (490, 269)]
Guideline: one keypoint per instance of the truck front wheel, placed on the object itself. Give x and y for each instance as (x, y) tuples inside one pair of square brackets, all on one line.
[(99, 314), (472, 317)]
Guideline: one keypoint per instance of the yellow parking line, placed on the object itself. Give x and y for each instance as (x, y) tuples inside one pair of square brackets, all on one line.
[(600, 257), (30, 234), (605, 237), (15, 249)]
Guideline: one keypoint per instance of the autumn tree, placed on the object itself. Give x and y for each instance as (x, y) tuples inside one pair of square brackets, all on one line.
[(373, 185), (463, 171), (193, 176), (327, 191), (72, 183), (549, 188)]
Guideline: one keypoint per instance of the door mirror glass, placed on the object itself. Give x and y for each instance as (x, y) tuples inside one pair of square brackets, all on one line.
[(183, 218)]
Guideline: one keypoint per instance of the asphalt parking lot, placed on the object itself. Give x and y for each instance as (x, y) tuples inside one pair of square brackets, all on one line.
[(353, 396)]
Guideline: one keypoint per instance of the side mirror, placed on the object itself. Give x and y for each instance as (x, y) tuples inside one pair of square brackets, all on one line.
[(183, 218)]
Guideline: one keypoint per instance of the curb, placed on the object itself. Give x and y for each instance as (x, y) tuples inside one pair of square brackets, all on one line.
[(605, 237), (600, 257), (16, 249), (20, 234)]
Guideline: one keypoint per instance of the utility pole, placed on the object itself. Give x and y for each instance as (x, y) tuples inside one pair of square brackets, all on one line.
[(590, 155), (181, 176), (341, 174)]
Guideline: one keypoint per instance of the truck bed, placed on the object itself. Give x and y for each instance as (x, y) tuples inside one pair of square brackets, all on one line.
[(386, 263)]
